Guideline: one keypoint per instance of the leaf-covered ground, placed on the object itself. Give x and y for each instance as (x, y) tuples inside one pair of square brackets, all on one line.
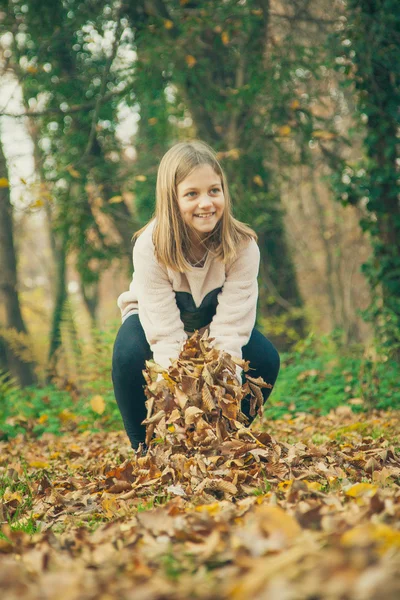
[(307, 507)]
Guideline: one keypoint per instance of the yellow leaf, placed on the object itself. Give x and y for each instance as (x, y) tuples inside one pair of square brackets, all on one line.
[(168, 24), (225, 38), (190, 60), (98, 405), (285, 485), (75, 448), (238, 520), (74, 466), (359, 490), (66, 415), (313, 485), (32, 69), (363, 535), (115, 200), (284, 130), (43, 419), (73, 172), (168, 379), (109, 506), (295, 104), (323, 135), (140, 177), (258, 180), (152, 120), (38, 464), (36, 204), (4, 182), (212, 509), (10, 496), (273, 519), (234, 153)]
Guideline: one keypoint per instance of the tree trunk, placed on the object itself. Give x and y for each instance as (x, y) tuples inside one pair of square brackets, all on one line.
[(61, 297), (329, 258), (22, 371)]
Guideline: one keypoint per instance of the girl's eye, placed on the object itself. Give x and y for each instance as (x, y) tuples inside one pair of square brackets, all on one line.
[(213, 190)]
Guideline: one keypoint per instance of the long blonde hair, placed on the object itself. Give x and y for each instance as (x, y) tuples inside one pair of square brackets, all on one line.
[(171, 234)]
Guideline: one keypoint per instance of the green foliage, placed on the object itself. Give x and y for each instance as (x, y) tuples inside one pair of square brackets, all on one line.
[(367, 56), (23, 488), (35, 411), (65, 405), (317, 376), (226, 72), (89, 369), (61, 54), (281, 326), (19, 343), (7, 385), (321, 375)]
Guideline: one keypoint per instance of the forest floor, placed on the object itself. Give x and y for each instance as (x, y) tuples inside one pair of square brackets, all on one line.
[(84, 517)]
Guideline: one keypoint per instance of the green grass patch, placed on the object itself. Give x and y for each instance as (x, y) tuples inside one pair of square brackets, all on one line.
[(36, 410), (320, 376)]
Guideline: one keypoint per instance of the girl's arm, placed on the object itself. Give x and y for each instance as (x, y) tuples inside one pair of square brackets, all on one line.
[(158, 311), (237, 302)]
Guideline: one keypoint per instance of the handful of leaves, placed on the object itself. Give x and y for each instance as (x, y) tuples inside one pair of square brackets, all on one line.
[(196, 404), (198, 442), (197, 435)]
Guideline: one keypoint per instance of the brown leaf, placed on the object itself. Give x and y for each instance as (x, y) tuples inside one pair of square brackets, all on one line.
[(208, 401)]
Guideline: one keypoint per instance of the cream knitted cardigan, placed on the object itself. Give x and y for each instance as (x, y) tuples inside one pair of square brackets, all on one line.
[(152, 295)]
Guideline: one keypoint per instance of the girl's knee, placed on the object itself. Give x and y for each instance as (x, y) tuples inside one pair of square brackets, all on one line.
[(263, 356), (131, 349)]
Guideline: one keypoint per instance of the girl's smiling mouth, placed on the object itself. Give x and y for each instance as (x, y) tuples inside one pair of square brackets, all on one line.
[(205, 215)]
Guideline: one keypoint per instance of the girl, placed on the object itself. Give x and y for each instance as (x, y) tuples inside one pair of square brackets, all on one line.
[(195, 267)]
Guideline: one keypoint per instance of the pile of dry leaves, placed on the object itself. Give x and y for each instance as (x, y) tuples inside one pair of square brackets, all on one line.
[(194, 410), (230, 513)]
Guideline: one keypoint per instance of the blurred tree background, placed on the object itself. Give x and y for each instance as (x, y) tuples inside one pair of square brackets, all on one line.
[(299, 99)]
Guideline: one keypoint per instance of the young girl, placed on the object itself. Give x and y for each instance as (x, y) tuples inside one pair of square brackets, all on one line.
[(195, 267)]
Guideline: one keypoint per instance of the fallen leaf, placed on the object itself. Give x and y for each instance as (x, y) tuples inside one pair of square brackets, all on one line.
[(97, 404)]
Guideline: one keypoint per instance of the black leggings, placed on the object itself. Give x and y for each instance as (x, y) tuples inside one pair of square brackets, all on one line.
[(131, 350)]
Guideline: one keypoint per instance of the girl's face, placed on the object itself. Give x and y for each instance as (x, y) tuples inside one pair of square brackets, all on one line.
[(201, 199)]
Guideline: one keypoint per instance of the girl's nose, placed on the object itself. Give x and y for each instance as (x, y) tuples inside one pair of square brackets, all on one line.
[(204, 201)]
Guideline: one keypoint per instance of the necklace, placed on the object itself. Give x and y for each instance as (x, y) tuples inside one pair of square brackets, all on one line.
[(199, 261)]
